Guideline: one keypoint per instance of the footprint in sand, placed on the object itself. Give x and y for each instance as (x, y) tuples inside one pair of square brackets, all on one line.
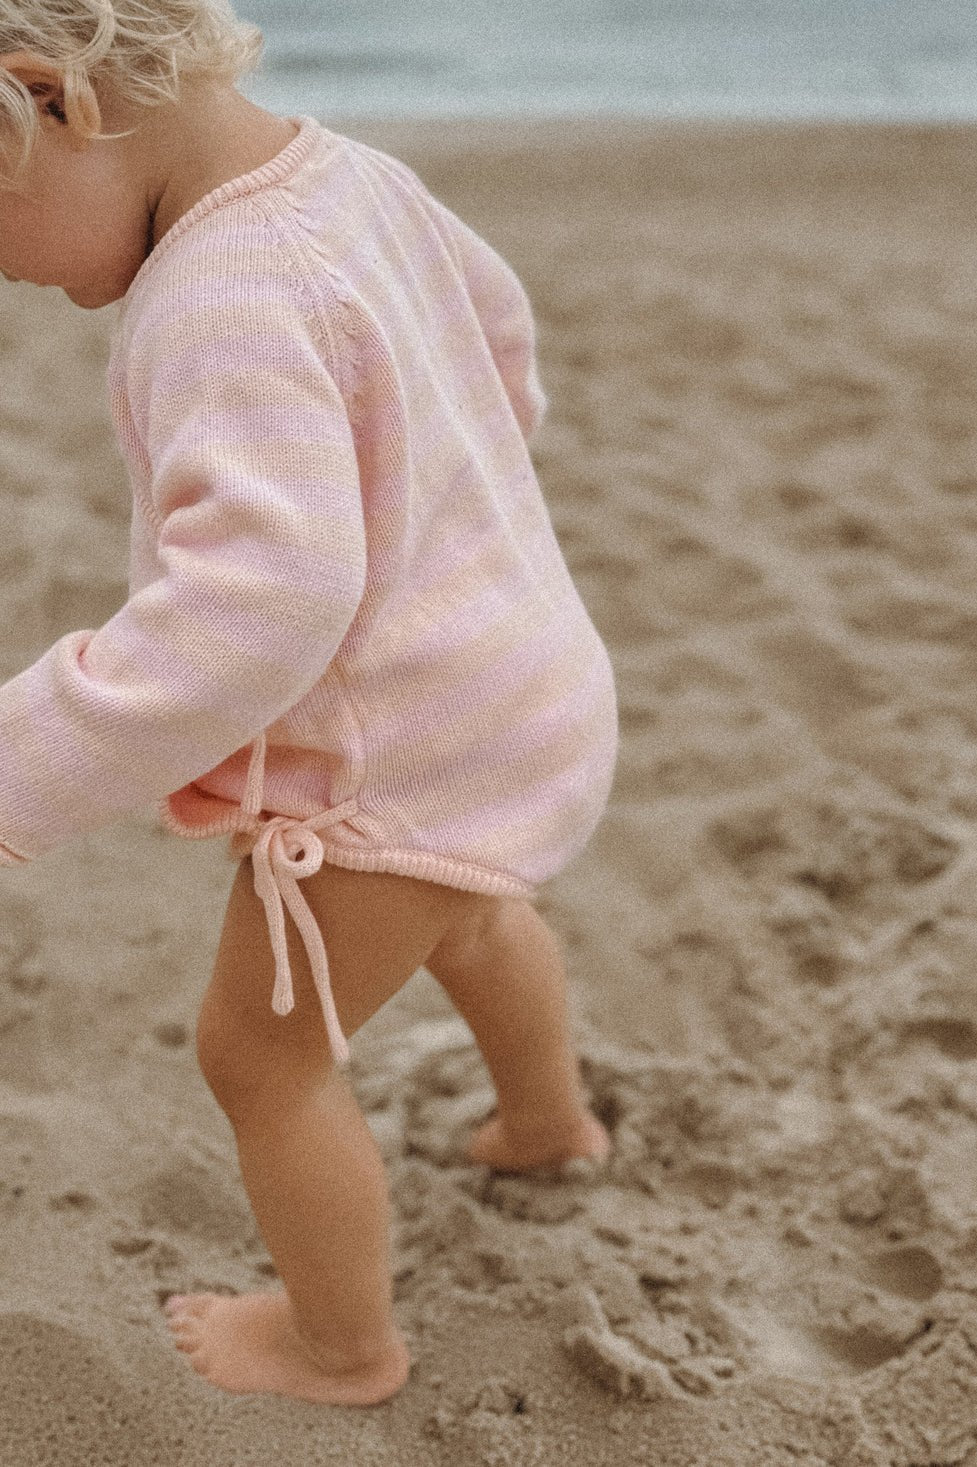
[(911, 1271), (823, 1318), (870, 1328), (835, 842), (955, 1038)]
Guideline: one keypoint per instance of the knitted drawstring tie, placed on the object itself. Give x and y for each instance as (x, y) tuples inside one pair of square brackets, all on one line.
[(286, 851)]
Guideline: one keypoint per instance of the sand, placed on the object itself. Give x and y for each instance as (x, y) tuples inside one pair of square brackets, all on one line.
[(761, 461)]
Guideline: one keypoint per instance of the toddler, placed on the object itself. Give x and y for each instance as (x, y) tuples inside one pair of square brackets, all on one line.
[(351, 643)]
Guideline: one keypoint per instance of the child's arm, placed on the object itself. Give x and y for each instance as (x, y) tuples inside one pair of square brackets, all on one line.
[(254, 494), (498, 298), (504, 310)]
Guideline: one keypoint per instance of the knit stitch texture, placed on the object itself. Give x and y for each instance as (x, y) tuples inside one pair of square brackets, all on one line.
[(343, 576)]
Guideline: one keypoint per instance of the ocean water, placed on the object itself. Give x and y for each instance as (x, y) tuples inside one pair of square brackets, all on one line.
[(870, 59)]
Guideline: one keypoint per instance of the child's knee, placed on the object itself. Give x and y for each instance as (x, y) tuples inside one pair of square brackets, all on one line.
[(489, 926)]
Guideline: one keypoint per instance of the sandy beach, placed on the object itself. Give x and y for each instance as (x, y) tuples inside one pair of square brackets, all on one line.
[(761, 462)]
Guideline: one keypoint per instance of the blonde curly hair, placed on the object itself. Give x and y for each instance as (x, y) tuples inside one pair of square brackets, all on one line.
[(139, 51)]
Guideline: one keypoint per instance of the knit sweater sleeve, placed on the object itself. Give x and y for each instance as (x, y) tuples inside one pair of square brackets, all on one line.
[(503, 308), (254, 497)]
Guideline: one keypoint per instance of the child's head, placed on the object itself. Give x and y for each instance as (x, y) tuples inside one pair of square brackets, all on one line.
[(134, 51), (92, 92)]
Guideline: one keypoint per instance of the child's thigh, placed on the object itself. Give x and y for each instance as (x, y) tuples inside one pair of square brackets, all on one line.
[(378, 928)]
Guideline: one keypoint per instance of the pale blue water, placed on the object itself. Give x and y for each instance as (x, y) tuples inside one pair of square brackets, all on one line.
[(885, 59)]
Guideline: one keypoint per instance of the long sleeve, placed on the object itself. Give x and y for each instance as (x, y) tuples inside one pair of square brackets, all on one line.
[(504, 310), (254, 495)]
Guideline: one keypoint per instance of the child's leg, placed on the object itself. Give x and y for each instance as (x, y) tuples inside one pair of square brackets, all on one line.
[(507, 979), (308, 1159)]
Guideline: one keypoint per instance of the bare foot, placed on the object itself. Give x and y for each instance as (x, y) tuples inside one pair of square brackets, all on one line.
[(249, 1343), (492, 1145)]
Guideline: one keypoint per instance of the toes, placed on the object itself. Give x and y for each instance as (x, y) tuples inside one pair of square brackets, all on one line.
[(600, 1143), (483, 1145), (185, 1332), (183, 1304), (198, 1304)]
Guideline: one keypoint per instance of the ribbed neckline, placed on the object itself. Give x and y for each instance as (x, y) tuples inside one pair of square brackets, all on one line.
[(294, 154)]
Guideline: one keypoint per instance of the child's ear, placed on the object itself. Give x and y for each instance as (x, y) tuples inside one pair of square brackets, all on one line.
[(50, 101), (42, 80), (46, 85), (35, 73)]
